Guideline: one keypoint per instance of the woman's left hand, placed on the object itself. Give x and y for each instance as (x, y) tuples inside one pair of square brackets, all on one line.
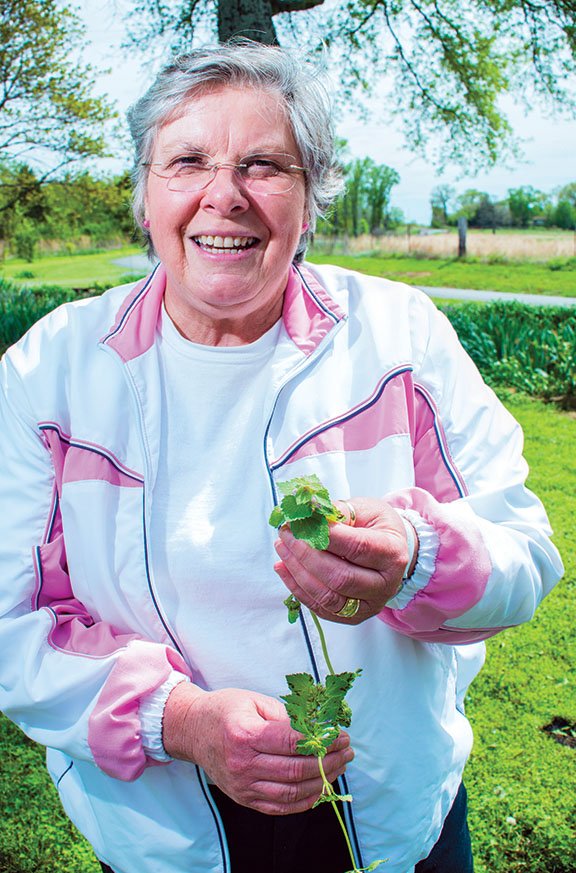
[(364, 562)]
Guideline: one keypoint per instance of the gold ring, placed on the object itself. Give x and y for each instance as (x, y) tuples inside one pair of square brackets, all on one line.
[(350, 608), (351, 512)]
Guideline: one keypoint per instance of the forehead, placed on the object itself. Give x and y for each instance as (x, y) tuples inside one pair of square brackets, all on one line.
[(230, 119)]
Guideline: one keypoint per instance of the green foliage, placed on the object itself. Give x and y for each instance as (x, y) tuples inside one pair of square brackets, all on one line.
[(318, 711), (528, 348), (46, 106), (307, 508), (21, 307), (525, 204), (444, 65), (64, 209), (364, 206)]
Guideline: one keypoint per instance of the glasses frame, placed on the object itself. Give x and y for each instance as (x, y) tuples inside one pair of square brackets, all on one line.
[(212, 170)]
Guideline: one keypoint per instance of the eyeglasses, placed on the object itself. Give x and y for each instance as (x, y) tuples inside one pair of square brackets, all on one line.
[(262, 174)]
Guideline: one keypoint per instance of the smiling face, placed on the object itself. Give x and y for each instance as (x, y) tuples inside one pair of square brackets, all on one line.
[(227, 250)]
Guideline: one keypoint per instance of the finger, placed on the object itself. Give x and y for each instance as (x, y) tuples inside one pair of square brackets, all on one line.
[(279, 738), (364, 611), (297, 767), (376, 540), (326, 578)]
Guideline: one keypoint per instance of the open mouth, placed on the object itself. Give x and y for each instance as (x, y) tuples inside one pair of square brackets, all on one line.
[(226, 245)]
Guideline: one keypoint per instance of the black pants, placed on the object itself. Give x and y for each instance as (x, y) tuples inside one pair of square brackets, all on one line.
[(312, 842)]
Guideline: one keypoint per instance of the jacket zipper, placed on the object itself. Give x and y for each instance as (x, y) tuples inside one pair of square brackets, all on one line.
[(348, 813)]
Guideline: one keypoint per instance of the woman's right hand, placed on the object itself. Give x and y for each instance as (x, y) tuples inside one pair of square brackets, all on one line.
[(244, 742)]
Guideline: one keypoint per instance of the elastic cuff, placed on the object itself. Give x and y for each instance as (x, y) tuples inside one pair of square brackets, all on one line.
[(412, 545), (151, 712), (428, 544)]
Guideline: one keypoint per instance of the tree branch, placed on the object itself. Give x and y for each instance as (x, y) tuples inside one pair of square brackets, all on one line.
[(279, 6)]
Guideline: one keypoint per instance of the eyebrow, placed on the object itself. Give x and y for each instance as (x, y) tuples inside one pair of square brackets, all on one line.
[(193, 148)]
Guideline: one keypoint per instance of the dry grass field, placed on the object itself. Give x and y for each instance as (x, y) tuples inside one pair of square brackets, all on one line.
[(533, 245)]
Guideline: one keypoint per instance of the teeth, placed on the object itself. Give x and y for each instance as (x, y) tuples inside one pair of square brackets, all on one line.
[(225, 242)]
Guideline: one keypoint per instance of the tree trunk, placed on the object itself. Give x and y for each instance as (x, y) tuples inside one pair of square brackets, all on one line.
[(251, 19)]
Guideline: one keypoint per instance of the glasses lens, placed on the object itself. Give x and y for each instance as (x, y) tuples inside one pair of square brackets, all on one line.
[(263, 174), (269, 173), (189, 179)]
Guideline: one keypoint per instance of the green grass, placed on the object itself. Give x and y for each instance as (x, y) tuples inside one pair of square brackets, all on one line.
[(521, 783), (71, 271), (556, 278)]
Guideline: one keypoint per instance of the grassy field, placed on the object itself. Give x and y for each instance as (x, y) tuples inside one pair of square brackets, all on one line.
[(72, 271), (555, 277), (521, 782), (535, 244)]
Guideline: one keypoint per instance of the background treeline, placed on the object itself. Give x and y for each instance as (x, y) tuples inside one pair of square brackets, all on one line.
[(76, 211), (86, 211), (523, 207)]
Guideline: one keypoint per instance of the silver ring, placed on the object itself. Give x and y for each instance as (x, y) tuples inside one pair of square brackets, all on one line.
[(350, 608), (351, 512)]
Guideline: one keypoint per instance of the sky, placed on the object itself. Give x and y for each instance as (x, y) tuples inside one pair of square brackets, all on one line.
[(549, 145)]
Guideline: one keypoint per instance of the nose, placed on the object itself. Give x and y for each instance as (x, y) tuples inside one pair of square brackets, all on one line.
[(224, 192)]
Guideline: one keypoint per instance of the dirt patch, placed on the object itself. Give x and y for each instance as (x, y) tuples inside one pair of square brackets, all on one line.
[(562, 730)]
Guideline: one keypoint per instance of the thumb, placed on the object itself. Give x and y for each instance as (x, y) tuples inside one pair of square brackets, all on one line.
[(270, 709)]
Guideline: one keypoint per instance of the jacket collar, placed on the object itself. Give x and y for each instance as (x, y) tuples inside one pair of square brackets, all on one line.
[(308, 313)]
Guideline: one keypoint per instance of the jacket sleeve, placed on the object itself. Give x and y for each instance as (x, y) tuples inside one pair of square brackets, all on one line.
[(69, 680), (485, 560)]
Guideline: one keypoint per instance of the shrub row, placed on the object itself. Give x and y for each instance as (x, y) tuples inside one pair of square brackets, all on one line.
[(528, 348)]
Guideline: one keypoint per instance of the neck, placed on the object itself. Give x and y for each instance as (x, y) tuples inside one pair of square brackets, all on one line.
[(200, 328)]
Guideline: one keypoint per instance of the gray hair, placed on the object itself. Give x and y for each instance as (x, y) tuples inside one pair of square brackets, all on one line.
[(244, 63)]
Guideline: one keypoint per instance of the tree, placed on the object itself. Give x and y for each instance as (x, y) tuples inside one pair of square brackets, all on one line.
[(448, 62), (364, 207), (565, 215), (441, 198), (47, 113), (525, 204)]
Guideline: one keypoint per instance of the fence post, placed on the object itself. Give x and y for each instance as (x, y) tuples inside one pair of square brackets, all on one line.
[(462, 228)]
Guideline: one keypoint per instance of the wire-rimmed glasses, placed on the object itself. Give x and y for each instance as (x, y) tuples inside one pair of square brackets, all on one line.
[(266, 173)]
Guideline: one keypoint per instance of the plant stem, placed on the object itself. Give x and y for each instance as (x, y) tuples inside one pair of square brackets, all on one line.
[(329, 791), (323, 642)]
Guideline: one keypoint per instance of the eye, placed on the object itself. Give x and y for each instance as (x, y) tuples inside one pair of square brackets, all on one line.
[(262, 166), (190, 163)]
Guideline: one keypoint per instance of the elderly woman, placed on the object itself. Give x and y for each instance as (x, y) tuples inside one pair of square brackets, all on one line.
[(143, 635)]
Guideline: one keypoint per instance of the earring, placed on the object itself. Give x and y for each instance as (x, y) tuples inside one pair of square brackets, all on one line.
[(146, 223), (305, 227)]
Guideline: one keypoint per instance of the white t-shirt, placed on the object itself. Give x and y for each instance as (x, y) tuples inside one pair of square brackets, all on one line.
[(211, 476)]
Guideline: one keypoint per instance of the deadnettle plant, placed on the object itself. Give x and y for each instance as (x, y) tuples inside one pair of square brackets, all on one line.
[(316, 710)]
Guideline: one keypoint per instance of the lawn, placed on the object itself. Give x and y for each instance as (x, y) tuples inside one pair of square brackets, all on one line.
[(521, 782), (73, 271), (557, 277)]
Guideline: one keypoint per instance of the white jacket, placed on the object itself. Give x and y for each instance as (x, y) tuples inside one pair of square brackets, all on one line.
[(370, 389)]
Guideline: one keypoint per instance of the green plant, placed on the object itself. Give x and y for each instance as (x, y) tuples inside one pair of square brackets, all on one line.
[(316, 710)]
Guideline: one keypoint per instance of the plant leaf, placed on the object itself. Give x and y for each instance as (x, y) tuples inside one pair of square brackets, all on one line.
[(313, 530), (307, 507), (276, 517), (293, 606), (317, 711), (294, 510)]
